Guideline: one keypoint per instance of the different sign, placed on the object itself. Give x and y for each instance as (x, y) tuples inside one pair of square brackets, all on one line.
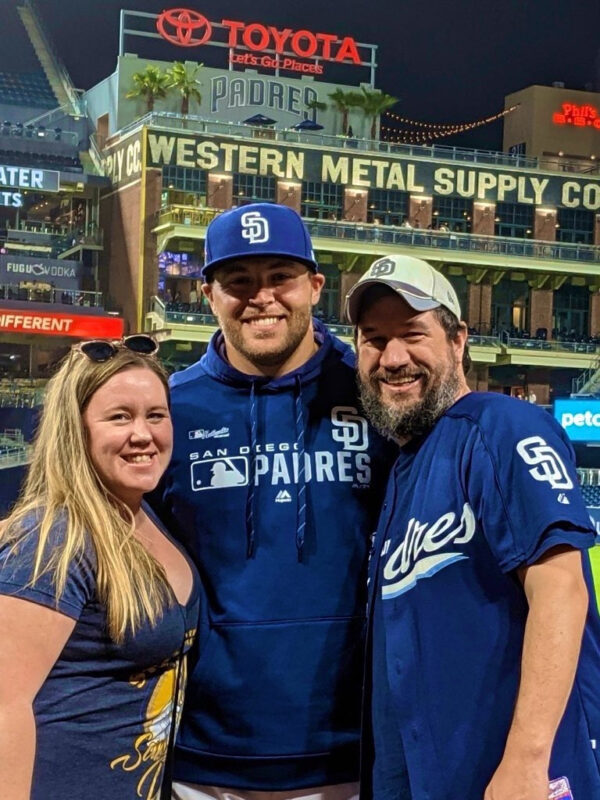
[(59, 324), (580, 418), (399, 173)]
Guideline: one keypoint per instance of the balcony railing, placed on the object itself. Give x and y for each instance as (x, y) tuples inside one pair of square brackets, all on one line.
[(192, 123), (53, 238), (483, 341), (41, 293), (411, 237), (588, 476), (187, 215), (577, 348), (464, 242)]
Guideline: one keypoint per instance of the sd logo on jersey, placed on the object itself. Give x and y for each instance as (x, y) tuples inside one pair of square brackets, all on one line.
[(547, 464)]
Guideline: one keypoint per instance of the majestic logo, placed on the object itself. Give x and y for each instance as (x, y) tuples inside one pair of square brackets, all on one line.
[(548, 466), (184, 27), (255, 227), (221, 433), (219, 473), (384, 266), (283, 496), (349, 428), (418, 555)]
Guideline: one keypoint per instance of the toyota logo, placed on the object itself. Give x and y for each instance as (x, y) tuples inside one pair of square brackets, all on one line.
[(184, 27)]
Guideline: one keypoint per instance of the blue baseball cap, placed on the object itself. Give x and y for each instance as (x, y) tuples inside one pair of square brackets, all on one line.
[(258, 229)]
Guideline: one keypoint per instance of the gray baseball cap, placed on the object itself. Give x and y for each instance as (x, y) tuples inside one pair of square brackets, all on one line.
[(416, 281)]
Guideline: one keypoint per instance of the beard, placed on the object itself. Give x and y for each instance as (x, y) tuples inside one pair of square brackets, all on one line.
[(403, 420), (265, 350)]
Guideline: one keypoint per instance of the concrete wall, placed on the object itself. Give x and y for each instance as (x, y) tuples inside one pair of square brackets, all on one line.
[(227, 96), (533, 123)]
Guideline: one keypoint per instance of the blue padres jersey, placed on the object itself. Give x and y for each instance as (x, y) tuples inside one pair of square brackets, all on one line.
[(489, 489), (275, 488)]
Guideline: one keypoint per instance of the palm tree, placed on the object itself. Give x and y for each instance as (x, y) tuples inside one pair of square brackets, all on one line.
[(185, 83), (150, 84), (341, 103), (373, 104), (316, 105)]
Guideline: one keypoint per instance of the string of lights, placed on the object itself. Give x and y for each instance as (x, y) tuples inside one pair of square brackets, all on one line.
[(427, 132)]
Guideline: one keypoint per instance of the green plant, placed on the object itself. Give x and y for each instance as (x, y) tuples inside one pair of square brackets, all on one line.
[(373, 104), (316, 105), (340, 100), (151, 84), (185, 83)]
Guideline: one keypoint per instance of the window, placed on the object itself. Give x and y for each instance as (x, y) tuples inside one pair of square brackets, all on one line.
[(461, 287), (322, 200), (510, 304), (253, 188), (184, 179), (454, 211), (387, 207), (576, 225), (517, 149), (328, 307), (514, 220), (571, 311)]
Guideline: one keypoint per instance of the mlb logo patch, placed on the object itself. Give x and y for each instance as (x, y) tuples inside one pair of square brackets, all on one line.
[(219, 473), (559, 789)]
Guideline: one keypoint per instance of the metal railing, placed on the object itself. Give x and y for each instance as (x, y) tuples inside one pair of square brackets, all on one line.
[(187, 215), (588, 476), (411, 237), (63, 75), (44, 293), (579, 383), (15, 134), (56, 238), (191, 317), (466, 242), (577, 348), (196, 124), (483, 341)]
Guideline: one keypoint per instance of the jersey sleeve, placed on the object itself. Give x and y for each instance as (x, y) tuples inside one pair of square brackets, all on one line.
[(522, 486), (16, 570)]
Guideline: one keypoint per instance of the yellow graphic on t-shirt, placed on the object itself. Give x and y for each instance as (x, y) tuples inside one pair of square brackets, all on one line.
[(150, 748)]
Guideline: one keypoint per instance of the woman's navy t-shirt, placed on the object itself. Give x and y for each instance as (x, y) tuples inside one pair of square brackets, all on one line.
[(104, 713)]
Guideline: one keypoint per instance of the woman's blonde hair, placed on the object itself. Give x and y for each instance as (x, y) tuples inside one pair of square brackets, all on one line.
[(63, 483)]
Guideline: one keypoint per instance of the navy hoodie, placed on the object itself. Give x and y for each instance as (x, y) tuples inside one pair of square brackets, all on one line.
[(273, 701)]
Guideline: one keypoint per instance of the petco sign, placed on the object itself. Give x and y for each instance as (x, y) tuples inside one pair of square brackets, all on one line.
[(263, 45), (579, 418)]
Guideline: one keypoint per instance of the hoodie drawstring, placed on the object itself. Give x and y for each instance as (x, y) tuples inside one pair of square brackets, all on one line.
[(252, 473), (301, 493)]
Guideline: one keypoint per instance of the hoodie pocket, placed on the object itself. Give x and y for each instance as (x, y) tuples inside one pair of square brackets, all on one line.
[(279, 688)]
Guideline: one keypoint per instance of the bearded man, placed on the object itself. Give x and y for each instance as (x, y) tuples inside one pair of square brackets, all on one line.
[(483, 667)]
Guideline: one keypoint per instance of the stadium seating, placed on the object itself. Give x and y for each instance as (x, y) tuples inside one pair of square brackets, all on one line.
[(29, 89)]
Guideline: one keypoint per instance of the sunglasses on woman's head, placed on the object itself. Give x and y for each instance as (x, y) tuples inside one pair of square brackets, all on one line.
[(99, 350)]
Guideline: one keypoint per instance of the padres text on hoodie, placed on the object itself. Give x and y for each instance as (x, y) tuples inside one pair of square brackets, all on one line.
[(273, 701)]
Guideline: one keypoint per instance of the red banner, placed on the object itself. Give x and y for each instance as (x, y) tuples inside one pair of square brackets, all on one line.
[(80, 326)]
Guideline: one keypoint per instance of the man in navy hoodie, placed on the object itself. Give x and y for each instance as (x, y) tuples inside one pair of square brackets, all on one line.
[(275, 488)]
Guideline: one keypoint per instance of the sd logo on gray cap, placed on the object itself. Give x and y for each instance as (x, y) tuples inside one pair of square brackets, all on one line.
[(416, 281)]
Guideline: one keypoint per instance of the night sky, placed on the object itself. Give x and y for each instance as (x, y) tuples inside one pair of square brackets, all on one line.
[(445, 61)]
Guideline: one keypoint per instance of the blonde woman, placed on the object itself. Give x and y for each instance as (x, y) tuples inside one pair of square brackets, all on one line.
[(98, 605)]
